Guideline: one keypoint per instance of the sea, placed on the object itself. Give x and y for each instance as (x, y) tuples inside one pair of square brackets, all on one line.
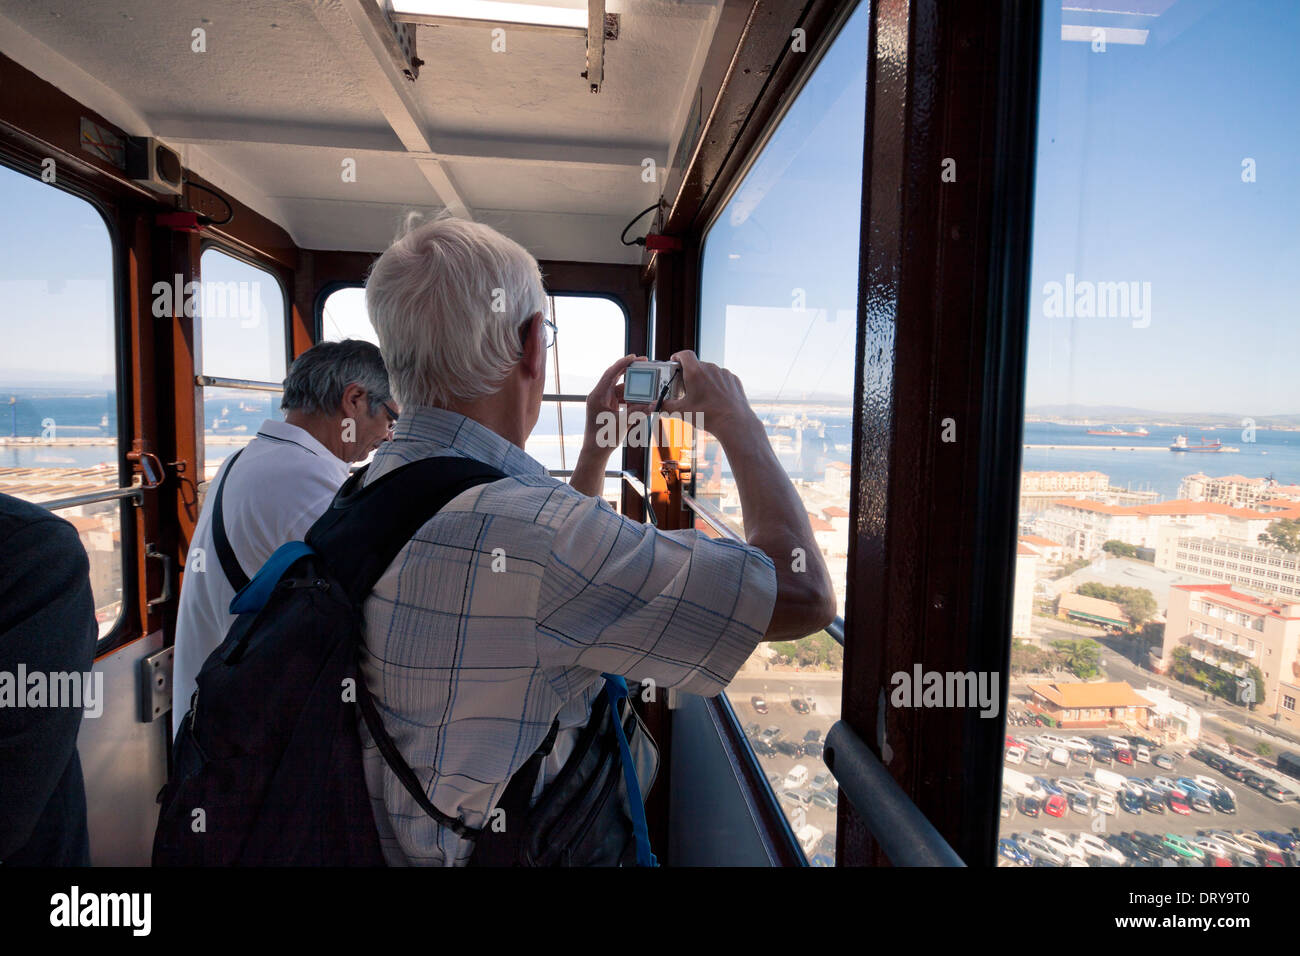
[(232, 416)]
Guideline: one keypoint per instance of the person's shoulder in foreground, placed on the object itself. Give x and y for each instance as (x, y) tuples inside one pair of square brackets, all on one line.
[(47, 627)]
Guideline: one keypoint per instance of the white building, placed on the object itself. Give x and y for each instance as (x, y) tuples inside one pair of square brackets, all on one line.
[(1170, 717), (1022, 612), (1084, 526)]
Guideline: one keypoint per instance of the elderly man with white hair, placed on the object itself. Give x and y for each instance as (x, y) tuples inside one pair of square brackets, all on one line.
[(500, 615), (338, 409)]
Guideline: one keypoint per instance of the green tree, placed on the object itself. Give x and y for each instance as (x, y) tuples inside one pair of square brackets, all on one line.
[(1138, 604), (1026, 658), (1081, 658), (1283, 533), (1120, 549), (1263, 749), (1152, 634)]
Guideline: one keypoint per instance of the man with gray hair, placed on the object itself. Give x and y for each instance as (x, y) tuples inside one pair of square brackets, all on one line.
[(338, 409), (500, 615)]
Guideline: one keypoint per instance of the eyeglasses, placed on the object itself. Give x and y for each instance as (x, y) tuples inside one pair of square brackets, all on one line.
[(549, 332), (392, 415)]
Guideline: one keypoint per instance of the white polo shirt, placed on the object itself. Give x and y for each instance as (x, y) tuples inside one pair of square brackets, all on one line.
[(283, 481)]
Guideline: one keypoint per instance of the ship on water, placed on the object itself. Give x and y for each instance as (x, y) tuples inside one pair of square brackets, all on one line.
[(1180, 444), (1115, 432)]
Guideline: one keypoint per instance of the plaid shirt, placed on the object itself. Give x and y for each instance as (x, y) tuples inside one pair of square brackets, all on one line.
[(501, 613)]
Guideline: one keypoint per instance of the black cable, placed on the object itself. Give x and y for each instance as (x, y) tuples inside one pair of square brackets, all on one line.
[(230, 210), (636, 242)]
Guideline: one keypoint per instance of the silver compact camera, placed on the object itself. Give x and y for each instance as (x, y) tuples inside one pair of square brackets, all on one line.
[(643, 382)]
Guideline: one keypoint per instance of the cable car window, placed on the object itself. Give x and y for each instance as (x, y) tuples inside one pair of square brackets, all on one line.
[(778, 306), (591, 334), (59, 374), (1160, 416), (343, 316), (243, 313)]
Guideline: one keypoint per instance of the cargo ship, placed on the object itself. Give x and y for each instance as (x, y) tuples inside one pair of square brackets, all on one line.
[(1180, 444), (1114, 432)]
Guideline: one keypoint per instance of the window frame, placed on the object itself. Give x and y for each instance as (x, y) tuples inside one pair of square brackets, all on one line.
[(208, 243), (126, 627)]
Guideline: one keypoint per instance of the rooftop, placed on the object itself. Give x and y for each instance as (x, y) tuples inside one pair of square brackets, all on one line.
[(1075, 696)]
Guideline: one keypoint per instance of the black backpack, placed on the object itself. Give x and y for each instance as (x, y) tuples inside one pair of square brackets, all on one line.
[(267, 766)]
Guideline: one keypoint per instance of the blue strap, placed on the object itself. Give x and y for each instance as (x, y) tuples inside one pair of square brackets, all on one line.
[(615, 690), (254, 595)]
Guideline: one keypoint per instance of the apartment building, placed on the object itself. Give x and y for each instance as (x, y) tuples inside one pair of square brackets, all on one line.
[(1231, 630), (1022, 609), (1084, 526), (1236, 490), (1232, 561)]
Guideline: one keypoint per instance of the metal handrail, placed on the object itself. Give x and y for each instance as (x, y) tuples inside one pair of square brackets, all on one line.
[(895, 822), (563, 397), (215, 381), (715, 520), (135, 491)]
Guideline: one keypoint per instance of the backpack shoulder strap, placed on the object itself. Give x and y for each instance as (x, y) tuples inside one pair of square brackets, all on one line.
[(365, 527), (225, 553)]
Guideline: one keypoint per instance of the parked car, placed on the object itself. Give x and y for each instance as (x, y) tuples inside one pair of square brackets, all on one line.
[(1199, 803), (1060, 755), (1008, 805), (1013, 853), (1104, 756), (1029, 806), (1041, 851), (1080, 803), (1225, 839), (1128, 802), (1192, 788), (1153, 802), (762, 747), (1061, 843), (829, 800), (1235, 770), (1184, 847), (823, 779), (1255, 841), (1036, 756), (774, 781), (1125, 756), (1094, 846), (1279, 793), (800, 705), (1078, 743), (796, 777), (751, 730), (771, 735), (759, 703), (1056, 805), (1067, 786), (1256, 782), (1222, 801), (1106, 804), (1208, 784), (814, 748), (791, 748), (1164, 761), (1048, 786), (1142, 754), (1081, 757), (1177, 801)]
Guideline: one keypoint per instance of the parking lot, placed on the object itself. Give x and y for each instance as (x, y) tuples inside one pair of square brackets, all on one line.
[(793, 726), (1254, 810)]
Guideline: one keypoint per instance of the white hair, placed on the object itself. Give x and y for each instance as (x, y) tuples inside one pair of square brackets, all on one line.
[(448, 299)]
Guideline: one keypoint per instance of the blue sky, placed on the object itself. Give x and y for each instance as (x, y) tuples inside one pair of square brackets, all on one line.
[(1139, 178)]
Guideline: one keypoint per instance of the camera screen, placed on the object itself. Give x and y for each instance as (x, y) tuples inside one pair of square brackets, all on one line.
[(639, 386)]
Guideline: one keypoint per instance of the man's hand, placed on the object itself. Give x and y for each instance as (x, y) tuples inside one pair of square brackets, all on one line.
[(605, 399), (599, 439), (715, 394)]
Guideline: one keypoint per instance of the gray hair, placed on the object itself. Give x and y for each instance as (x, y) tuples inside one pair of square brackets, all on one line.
[(319, 376), (448, 299)]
